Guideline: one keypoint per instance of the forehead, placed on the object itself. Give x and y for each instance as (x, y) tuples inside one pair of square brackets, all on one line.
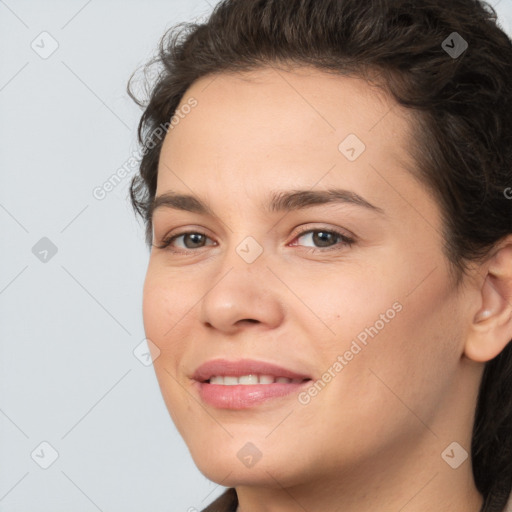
[(270, 113), (302, 128)]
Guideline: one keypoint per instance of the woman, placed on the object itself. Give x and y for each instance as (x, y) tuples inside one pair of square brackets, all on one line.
[(326, 187)]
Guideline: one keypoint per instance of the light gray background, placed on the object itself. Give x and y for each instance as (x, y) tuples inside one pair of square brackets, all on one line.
[(69, 324)]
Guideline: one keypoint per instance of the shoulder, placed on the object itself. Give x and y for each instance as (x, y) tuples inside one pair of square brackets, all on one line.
[(226, 502)]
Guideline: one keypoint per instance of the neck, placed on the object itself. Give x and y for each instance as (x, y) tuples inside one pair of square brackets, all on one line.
[(412, 481)]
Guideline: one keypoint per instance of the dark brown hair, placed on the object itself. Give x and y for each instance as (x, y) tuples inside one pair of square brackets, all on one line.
[(462, 142)]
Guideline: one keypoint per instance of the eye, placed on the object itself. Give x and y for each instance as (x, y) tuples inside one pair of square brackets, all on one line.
[(313, 238), (323, 238), (187, 241)]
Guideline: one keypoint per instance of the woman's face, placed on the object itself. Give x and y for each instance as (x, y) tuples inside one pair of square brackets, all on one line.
[(348, 289)]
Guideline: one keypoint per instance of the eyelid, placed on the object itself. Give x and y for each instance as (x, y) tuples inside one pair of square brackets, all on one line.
[(309, 228), (346, 238), (171, 235), (168, 238)]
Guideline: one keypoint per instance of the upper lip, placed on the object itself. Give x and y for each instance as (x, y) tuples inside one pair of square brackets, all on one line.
[(241, 367)]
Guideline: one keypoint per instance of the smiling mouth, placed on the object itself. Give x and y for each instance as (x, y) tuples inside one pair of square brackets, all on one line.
[(247, 391), (246, 383), (251, 380)]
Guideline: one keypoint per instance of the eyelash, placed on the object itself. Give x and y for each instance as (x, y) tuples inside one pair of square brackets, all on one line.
[(345, 241)]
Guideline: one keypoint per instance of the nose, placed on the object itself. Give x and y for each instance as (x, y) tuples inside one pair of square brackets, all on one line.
[(243, 295)]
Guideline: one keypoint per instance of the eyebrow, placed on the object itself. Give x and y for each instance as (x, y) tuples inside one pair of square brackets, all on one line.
[(279, 201)]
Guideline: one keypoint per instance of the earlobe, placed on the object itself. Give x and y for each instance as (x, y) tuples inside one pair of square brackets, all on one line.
[(491, 328)]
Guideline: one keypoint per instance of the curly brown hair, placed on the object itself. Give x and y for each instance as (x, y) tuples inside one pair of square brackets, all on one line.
[(463, 128)]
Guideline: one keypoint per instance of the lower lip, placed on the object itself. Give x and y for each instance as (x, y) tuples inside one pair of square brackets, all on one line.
[(240, 396)]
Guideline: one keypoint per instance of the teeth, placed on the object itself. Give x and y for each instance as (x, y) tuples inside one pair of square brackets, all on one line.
[(249, 380), (230, 381)]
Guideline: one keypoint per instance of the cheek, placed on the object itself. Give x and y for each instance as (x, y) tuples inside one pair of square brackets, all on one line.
[(155, 310), (164, 315), (163, 305), (400, 342), (355, 304), (399, 369), (352, 296)]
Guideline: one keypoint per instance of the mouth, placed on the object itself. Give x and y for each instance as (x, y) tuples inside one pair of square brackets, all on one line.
[(250, 380), (246, 383)]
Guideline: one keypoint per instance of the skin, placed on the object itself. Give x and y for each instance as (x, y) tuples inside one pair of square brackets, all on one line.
[(372, 438)]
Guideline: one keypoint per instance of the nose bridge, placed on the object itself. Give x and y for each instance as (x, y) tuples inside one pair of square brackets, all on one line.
[(243, 268), (250, 251), (241, 290), (247, 240)]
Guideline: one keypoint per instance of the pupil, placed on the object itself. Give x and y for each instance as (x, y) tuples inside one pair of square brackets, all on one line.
[(195, 238), (322, 238)]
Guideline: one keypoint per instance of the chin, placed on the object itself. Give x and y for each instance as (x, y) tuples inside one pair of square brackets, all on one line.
[(230, 474), (239, 462)]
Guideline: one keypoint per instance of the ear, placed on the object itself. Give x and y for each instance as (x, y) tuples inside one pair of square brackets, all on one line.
[(491, 327)]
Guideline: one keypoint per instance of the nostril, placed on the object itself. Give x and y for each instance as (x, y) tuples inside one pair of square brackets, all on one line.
[(247, 320)]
